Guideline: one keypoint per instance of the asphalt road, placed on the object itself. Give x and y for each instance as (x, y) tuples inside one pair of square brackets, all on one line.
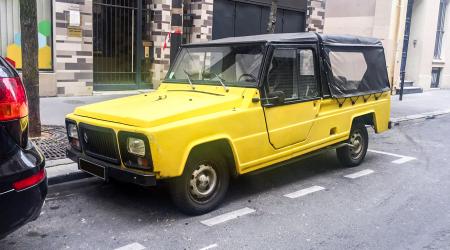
[(396, 202)]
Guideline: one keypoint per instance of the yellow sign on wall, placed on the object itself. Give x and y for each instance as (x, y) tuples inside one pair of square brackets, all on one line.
[(74, 31)]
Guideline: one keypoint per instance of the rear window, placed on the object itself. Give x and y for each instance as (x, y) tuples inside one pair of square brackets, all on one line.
[(6, 69), (356, 71)]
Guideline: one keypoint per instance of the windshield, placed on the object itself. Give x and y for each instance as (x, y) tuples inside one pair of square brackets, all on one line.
[(235, 65)]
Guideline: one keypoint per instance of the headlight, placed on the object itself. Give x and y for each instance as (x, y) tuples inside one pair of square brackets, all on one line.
[(72, 130), (136, 146), (72, 134), (135, 150)]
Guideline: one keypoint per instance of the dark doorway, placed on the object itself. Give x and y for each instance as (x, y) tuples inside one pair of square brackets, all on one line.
[(118, 45), (435, 77), (242, 18)]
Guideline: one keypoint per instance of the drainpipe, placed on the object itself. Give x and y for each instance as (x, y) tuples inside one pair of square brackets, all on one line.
[(405, 46), (139, 46)]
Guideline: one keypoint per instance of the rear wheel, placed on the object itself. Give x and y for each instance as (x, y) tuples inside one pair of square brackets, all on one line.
[(203, 184), (354, 153)]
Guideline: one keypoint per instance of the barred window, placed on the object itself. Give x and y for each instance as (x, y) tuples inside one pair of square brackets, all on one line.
[(440, 29)]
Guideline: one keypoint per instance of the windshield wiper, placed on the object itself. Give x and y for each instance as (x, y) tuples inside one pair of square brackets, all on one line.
[(221, 81), (189, 79)]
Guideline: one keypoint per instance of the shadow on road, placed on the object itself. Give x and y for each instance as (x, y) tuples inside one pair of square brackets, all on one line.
[(128, 201)]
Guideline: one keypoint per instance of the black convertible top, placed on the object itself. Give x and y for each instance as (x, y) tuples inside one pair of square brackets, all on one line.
[(329, 40), (355, 66)]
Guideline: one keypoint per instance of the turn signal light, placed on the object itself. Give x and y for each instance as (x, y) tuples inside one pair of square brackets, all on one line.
[(30, 181), (13, 99)]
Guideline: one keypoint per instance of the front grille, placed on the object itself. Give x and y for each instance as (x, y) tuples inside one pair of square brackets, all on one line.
[(99, 143)]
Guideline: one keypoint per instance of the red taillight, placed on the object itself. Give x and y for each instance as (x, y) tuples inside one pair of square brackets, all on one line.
[(30, 181), (13, 99)]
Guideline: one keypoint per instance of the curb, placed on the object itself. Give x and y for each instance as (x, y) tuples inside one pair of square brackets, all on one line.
[(428, 115), (58, 162), (64, 173)]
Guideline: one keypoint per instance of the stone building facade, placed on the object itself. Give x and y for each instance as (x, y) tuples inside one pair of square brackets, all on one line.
[(427, 63)]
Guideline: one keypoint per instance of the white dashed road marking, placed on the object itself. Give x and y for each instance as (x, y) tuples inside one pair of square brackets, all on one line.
[(132, 246), (228, 216), (304, 192), (402, 159), (360, 174), (209, 247)]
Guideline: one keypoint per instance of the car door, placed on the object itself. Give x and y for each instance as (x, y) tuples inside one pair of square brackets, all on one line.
[(292, 96)]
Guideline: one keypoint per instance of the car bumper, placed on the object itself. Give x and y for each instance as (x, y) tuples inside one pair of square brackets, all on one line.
[(19, 207), (113, 171), (22, 207)]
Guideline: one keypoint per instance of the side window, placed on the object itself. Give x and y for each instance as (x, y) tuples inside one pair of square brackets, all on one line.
[(348, 68), (292, 71), (282, 73), (307, 80)]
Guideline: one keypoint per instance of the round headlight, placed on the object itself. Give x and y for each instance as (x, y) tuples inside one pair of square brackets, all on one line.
[(136, 146)]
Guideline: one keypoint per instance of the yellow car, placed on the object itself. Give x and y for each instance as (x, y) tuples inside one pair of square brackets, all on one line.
[(237, 105)]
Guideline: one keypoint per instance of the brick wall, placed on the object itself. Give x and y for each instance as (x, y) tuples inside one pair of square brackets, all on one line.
[(73, 55)]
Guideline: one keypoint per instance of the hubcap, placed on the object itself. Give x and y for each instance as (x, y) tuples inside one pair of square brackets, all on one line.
[(357, 142), (203, 181)]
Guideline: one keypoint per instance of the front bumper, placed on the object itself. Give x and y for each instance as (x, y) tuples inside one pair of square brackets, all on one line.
[(114, 171)]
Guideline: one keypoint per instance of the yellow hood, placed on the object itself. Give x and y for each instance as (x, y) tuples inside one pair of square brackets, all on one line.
[(164, 105)]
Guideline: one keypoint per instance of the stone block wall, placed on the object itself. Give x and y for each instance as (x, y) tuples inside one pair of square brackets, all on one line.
[(315, 15), (73, 55), (166, 18), (201, 15), (160, 28)]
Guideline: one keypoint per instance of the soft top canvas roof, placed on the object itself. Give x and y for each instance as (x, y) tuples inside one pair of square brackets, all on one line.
[(328, 40)]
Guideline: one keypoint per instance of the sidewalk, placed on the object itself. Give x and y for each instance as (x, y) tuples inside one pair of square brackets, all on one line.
[(428, 101), (54, 109)]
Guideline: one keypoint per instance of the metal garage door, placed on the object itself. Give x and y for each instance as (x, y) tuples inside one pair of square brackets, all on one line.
[(241, 18)]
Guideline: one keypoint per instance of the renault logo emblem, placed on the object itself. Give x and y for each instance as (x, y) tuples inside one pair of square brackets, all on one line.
[(85, 137)]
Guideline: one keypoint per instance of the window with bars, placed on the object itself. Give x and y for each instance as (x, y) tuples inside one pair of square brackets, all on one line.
[(440, 29)]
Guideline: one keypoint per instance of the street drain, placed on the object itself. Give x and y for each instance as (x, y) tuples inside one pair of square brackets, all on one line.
[(53, 142)]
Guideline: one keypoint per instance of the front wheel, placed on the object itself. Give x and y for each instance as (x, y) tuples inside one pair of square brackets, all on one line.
[(354, 153), (202, 186)]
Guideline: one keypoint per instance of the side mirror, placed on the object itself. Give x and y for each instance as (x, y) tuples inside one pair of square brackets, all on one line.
[(275, 97)]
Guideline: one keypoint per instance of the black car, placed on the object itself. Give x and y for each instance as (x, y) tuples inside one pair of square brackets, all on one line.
[(23, 180)]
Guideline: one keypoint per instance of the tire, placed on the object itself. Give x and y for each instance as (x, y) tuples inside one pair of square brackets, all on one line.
[(353, 156), (203, 185)]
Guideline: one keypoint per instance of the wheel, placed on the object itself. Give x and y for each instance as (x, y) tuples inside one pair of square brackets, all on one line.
[(203, 184), (353, 154)]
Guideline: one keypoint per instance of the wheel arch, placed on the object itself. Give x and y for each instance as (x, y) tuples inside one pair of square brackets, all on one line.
[(367, 118), (220, 143)]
